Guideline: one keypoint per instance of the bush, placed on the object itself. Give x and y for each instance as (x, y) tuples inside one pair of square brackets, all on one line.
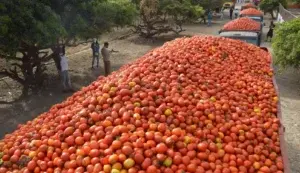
[(286, 44)]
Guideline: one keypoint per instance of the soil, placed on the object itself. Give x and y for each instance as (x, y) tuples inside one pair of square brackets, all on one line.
[(129, 49)]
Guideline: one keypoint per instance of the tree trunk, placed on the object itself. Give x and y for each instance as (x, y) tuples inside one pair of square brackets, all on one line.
[(272, 14), (32, 70), (56, 57)]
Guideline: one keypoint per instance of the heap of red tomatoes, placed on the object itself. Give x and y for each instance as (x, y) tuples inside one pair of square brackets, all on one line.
[(242, 24), (200, 104), (251, 11), (248, 5)]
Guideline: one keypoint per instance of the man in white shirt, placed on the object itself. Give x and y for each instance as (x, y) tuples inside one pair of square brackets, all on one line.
[(64, 73), (106, 55)]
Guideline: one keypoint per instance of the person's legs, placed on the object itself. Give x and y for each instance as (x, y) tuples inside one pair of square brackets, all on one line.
[(268, 35), (208, 22), (268, 38), (63, 80), (107, 67), (97, 60), (68, 81), (93, 61)]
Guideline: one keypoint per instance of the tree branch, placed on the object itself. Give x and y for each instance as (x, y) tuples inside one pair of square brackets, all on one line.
[(47, 58), (13, 75), (16, 64), (77, 44), (3, 56)]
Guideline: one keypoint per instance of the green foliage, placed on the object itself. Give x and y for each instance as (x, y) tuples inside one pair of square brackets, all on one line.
[(21, 23), (181, 9), (209, 4), (29, 26), (271, 5), (268, 6), (286, 44), (296, 1), (162, 16), (43, 22)]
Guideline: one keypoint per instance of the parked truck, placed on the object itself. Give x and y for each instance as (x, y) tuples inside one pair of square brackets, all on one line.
[(247, 36), (253, 14), (244, 29)]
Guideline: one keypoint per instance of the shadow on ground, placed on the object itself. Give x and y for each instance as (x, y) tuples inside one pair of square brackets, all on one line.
[(36, 104)]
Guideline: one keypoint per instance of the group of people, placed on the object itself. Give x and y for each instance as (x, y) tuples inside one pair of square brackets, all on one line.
[(63, 67), (105, 53), (235, 11), (232, 11)]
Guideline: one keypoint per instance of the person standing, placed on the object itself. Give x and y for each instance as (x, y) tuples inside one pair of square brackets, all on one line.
[(209, 18), (222, 13), (106, 58), (95, 48), (58, 50), (236, 13), (66, 82), (231, 12), (270, 32)]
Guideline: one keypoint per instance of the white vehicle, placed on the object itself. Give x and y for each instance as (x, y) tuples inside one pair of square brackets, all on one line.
[(247, 36)]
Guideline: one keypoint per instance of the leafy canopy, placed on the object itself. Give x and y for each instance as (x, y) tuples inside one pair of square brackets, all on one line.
[(296, 1), (286, 44), (209, 4), (42, 22), (20, 22), (29, 27), (271, 5), (162, 16)]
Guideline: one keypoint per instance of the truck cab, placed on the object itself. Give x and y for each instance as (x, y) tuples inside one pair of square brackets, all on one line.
[(259, 19), (247, 36)]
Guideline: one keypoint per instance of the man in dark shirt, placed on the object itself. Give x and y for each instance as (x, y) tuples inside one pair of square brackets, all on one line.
[(231, 12)]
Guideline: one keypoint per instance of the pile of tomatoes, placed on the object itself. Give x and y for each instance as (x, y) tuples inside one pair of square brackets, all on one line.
[(251, 11), (248, 5), (242, 24), (200, 104)]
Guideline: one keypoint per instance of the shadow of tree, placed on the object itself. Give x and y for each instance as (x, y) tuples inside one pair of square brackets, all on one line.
[(36, 104)]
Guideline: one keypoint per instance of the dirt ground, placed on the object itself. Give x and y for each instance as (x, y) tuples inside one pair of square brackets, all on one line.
[(130, 49)]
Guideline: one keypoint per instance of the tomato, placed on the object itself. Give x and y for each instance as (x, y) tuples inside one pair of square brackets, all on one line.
[(202, 146), (138, 158), (161, 148), (31, 165), (127, 150), (113, 159), (128, 163)]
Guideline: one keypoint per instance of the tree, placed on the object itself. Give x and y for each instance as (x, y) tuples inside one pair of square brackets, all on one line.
[(209, 4), (29, 28), (163, 16), (296, 1), (286, 44), (268, 6)]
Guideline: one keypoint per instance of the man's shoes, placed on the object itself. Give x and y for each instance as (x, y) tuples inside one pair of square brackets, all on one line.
[(71, 90)]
